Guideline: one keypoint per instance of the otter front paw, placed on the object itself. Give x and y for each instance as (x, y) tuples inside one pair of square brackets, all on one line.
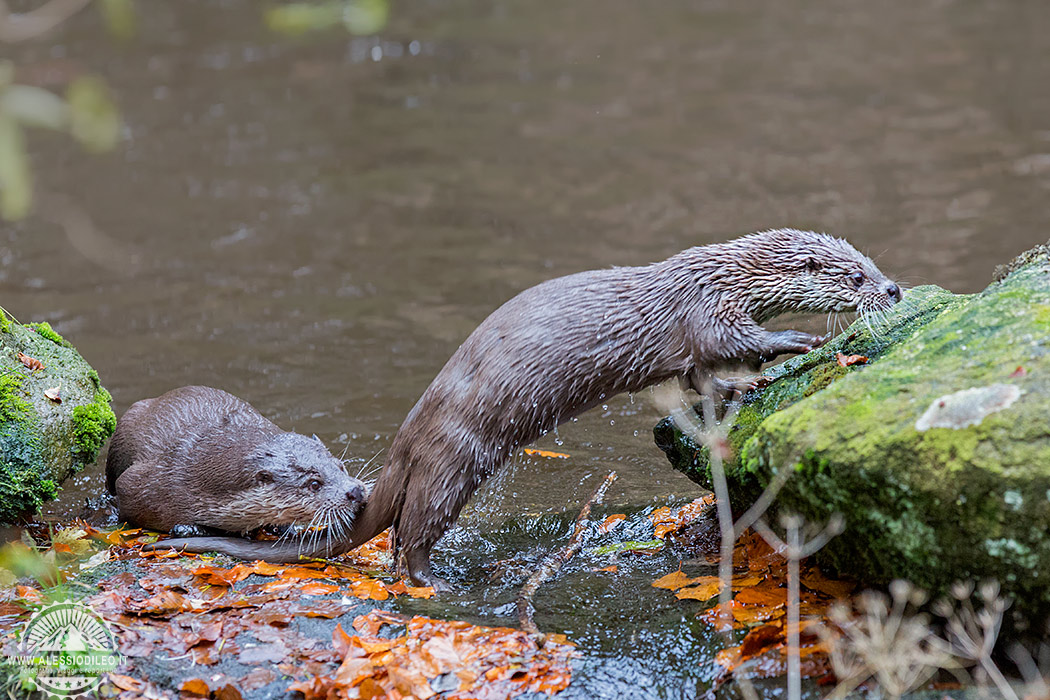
[(793, 342)]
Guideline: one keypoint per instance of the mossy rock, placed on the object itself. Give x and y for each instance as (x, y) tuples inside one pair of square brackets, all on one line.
[(934, 488), (43, 441)]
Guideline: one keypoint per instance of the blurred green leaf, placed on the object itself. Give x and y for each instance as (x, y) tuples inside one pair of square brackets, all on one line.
[(33, 106), (94, 119), (16, 185), (366, 16), (120, 17), (301, 17)]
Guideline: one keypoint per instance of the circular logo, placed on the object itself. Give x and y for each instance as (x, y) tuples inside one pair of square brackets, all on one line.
[(67, 647)]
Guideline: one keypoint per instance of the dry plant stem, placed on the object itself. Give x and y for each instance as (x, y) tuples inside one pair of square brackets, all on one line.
[(552, 563), (794, 551), (30, 25)]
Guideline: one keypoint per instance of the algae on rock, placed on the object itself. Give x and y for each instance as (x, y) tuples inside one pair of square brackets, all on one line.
[(924, 503), (44, 441)]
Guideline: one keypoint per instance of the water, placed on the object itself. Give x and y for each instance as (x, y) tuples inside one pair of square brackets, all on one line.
[(316, 224)]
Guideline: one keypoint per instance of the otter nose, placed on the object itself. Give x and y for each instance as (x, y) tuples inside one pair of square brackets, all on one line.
[(893, 291), (355, 495)]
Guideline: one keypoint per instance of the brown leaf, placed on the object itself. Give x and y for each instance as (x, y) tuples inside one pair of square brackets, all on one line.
[(767, 596), (124, 682), (847, 360), (816, 581), (195, 687), (709, 587), (761, 638), (30, 362), (227, 692), (1018, 373), (673, 581)]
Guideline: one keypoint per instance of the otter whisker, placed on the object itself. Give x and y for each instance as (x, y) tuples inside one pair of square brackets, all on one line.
[(368, 463)]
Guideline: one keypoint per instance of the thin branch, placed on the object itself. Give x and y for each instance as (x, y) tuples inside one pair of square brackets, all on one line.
[(552, 563), (25, 26)]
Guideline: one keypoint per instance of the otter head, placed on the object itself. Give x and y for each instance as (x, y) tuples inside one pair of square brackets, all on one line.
[(294, 479), (812, 272)]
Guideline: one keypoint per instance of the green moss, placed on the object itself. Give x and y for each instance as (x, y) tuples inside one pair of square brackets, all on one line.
[(5, 322), (48, 332), (93, 423), (820, 377), (930, 506), (13, 405)]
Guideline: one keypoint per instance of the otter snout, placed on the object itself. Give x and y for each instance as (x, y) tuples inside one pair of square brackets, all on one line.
[(893, 291), (355, 494)]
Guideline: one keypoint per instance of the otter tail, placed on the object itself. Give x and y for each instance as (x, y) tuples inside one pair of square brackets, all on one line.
[(380, 512)]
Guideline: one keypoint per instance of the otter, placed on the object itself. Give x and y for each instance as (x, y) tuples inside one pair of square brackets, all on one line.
[(197, 461), (565, 345)]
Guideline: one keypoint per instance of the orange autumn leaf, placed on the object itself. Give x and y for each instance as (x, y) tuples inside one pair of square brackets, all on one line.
[(264, 568), (62, 548), (124, 682), (708, 588), (195, 686), (28, 593), (544, 453), (847, 360), (30, 362), (610, 522), (222, 577), (609, 569), (673, 581), (1018, 373), (766, 596), (301, 572), (816, 581), (318, 588), (742, 582), (760, 639), (420, 591), (371, 589)]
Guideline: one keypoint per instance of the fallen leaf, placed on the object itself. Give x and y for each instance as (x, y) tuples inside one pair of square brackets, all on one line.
[(30, 362), (767, 596), (54, 393), (816, 581), (544, 453), (673, 581), (610, 522), (708, 588), (195, 687), (847, 360), (609, 569), (1018, 373), (318, 588), (124, 682)]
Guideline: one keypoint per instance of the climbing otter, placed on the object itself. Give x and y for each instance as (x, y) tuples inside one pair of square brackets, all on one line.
[(564, 346), (196, 460)]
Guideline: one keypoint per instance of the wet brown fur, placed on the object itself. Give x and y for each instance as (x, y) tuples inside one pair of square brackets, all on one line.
[(202, 458), (564, 346)]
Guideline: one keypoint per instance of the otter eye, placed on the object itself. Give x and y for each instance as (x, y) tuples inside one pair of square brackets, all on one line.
[(857, 278), (264, 478), (315, 485)]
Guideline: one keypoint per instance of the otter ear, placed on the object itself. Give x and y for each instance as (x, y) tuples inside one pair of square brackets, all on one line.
[(319, 440), (264, 477), (812, 264)]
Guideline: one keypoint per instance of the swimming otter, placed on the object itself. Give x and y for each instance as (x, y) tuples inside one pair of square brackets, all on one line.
[(564, 346), (196, 460)]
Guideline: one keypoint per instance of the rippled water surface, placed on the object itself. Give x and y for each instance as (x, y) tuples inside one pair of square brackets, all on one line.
[(315, 224)]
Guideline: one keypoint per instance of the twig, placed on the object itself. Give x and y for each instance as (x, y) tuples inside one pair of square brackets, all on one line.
[(552, 563), (30, 25)]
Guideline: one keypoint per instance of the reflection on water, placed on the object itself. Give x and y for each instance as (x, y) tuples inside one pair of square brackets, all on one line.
[(318, 223)]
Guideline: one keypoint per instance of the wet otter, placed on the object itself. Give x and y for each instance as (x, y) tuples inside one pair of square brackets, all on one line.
[(198, 460), (563, 346)]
